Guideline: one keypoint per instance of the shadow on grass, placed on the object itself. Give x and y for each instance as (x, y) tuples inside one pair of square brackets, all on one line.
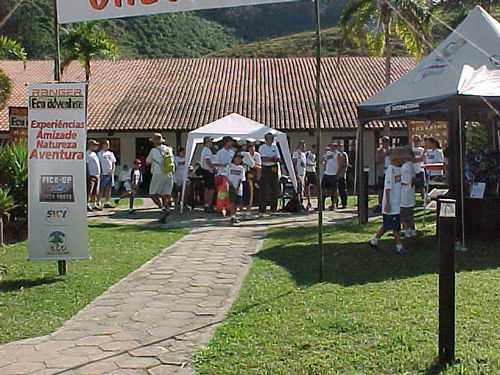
[(353, 263), (12, 285)]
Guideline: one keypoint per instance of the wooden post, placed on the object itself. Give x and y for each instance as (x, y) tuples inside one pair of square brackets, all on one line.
[(363, 178), (317, 20), (447, 217), (61, 264)]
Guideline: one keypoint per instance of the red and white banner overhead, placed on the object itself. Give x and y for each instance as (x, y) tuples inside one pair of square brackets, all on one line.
[(86, 10)]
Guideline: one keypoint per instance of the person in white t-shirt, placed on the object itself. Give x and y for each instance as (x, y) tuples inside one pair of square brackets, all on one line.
[(162, 183), (434, 155), (419, 153), (180, 172), (408, 192), (391, 202), (299, 164), (235, 175), (132, 180), (311, 176), (269, 181), (224, 155), (93, 175), (207, 169), (108, 163), (253, 164), (332, 162)]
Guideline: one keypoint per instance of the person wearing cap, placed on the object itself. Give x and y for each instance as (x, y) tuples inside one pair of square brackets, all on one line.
[(108, 164), (93, 175), (391, 203), (382, 161), (332, 161), (433, 155), (131, 184), (408, 192), (235, 176), (299, 164), (269, 181), (207, 171), (419, 153), (160, 189)]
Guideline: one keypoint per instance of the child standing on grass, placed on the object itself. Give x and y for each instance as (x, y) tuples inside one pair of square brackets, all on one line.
[(391, 203), (408, 193), (235, 175), (131, 185)]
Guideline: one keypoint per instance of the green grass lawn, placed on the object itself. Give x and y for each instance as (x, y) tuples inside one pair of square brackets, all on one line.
[(35, 301), (376, 313)]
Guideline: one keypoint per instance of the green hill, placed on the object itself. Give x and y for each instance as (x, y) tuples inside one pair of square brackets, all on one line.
[(296, 45)]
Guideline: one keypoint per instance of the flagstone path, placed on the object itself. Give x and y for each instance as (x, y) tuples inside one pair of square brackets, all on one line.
[(156, 318)]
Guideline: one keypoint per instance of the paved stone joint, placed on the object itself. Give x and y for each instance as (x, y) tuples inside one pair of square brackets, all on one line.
[(152, 321)]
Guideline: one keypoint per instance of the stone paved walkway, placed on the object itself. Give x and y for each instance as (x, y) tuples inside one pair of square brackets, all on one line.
[(155, 319)]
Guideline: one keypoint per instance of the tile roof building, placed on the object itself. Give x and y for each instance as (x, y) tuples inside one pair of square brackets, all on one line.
[(184, 94), (129, 99)]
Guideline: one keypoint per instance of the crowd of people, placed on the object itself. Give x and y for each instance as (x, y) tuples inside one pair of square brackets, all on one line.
[(401, 175), (235, 177)]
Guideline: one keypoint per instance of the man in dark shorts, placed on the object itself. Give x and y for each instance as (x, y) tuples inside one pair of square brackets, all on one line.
[(207, 170)]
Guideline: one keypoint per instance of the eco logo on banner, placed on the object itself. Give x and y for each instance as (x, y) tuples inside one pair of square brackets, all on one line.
[(57, 198), (85, 10)]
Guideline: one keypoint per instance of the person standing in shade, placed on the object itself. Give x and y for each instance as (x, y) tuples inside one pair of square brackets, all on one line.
[(269, 181), (433, 155), (299, 164), (382, 161), (342, 179), (224, 155), (93, 175), (108, 163), (419, 153), (252, 165), (235, 175), (162, 183), (311, 176), (408, 192), (207, 170), (333, 164)]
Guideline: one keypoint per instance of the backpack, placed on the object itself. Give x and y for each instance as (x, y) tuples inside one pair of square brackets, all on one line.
[(167, 164)]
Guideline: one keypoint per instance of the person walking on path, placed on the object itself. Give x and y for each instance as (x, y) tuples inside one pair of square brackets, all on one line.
[(311, 176), (382, 161), (207, 170), (131, 184), (108, 163), (299, 164), (342, 180), (162, 181), (93, 176), (269, 181), (333, 164), (391, 203)]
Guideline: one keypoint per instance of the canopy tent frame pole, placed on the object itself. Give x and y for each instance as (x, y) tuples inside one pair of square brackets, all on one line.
[(317, 19), (462, 194)]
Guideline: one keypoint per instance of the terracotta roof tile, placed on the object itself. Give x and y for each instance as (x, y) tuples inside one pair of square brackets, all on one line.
[(184, 94)]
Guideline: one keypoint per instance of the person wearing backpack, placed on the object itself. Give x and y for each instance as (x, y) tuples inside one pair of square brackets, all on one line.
[(161, 159)]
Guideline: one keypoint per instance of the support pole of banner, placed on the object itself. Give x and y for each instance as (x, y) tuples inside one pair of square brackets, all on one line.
[(61, 264), (318, 140)]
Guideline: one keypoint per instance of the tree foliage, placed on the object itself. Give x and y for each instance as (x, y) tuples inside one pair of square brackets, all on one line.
[(8, 48), (14, 167)]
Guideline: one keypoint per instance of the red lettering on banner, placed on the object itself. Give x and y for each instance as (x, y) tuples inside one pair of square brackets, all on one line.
[(101, 4), (98, 4)]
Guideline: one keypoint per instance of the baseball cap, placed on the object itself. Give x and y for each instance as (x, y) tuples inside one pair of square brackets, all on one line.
[(92, 142), (207, 138), (385, 139)]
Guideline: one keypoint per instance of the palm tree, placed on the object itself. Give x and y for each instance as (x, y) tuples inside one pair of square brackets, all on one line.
[(8, 48), (6, 205), (374, 24), (85, 42)]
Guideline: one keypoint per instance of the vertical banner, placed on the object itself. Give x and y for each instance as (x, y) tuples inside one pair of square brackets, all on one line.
[(18, 123), (57, 197)]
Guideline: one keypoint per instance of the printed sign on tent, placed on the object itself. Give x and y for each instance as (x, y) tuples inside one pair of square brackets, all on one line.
[(85, 10), (57, 197)]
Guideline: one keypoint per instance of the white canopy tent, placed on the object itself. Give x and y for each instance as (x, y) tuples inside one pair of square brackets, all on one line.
[(239, 127)]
